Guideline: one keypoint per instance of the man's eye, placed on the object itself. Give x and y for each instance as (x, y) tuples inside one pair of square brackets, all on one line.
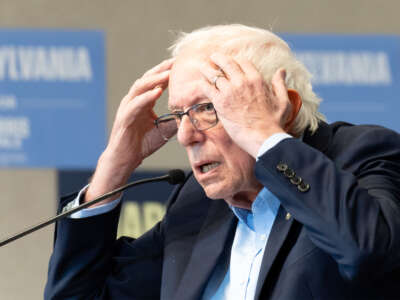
[(208, 107)]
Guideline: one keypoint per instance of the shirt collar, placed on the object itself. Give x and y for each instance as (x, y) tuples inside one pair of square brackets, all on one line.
[(265, 207)]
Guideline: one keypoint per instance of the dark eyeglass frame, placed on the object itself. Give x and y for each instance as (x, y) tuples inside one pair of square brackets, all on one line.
[(165, 117)]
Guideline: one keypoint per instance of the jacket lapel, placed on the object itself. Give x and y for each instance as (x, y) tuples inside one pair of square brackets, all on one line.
[(216, 233), (279, 233)]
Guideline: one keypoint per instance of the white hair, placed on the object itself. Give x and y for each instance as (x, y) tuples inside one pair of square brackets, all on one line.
[(267, 52)]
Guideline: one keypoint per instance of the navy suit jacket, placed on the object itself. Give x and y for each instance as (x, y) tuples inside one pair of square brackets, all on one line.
[(336, 235)]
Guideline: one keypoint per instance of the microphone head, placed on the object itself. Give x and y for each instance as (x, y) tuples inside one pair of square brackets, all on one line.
[(176, 176)]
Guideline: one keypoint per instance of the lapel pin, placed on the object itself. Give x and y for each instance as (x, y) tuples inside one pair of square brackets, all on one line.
[(288, 215)]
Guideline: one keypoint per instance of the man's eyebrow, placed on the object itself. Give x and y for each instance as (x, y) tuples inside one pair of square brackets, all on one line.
[(174, 108), (199, 99)]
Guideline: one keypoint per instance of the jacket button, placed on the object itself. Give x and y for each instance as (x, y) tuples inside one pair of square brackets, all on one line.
[(303, 187), (289, 173), (282, 167), (296, 180)]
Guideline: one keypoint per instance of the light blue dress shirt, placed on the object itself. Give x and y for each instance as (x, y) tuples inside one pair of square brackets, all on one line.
[(236, 274)]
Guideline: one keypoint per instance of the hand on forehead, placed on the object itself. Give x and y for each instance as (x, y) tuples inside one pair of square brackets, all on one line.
[(187, 79), (222, 71)]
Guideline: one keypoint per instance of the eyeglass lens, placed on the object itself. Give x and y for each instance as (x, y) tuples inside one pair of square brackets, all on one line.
[(202, 116)]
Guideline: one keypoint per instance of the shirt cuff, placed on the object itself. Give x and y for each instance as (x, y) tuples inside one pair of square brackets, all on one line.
[(271, 142), (92, 211)]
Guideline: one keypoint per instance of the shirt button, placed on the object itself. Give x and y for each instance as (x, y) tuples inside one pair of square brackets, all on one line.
[(263, 236)]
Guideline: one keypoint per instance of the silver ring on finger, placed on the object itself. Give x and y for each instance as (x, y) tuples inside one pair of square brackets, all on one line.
[(215, 79)]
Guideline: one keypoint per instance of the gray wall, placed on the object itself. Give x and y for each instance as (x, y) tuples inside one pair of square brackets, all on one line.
[(138, 33)]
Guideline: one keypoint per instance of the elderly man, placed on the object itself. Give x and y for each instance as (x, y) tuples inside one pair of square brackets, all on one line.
[(309, 210)]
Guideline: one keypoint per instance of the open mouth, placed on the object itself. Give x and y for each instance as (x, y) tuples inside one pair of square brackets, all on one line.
[(208, 167)]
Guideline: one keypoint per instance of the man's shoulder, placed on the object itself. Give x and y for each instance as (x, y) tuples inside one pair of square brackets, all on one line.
[(357, 145), (335, 138), (345, 129), (350, 135)]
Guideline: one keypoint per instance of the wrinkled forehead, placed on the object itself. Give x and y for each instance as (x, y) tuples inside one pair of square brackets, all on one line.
[(185, 79), (186, 67)]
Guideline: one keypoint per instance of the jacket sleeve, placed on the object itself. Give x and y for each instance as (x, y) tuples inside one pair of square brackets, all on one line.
[(81, 256), (89, 263), (347, 199)]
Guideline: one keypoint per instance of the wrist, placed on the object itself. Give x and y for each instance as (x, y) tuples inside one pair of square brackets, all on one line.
[(271, 142), (110, 174), (257, 139)]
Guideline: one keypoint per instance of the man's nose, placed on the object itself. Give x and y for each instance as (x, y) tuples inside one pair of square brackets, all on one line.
[(187, 134)]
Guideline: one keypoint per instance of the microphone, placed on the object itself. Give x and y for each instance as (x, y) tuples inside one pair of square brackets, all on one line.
[(175, 176)]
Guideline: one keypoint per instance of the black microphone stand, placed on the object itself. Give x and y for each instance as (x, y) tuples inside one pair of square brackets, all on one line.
[(173, 177)]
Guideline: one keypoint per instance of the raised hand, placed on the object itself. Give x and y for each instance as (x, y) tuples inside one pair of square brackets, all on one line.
[(249, 109), (133, 136)]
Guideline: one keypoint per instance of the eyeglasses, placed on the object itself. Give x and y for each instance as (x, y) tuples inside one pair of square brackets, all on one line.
[(203, 116)]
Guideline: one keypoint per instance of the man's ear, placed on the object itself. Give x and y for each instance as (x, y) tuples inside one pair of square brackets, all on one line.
[(296, 103)]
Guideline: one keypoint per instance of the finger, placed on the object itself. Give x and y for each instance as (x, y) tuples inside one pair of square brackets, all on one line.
[(148, 83), (228, 65), (248, 69), (279, 85), (134, 110), (142, 104), (209, 72), (220, 83), (209, 90), (212, 76), (163, 66), (281, 94), (147, 99)]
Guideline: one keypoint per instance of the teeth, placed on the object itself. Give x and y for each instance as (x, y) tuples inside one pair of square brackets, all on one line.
[(208, 167)]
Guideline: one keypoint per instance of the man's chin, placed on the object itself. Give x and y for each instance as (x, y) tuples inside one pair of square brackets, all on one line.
[(215, 187), (213, 196), (214, 192)]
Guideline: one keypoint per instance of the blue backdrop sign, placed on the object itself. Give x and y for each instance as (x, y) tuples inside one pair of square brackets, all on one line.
[(52, 98), (358, 76)]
